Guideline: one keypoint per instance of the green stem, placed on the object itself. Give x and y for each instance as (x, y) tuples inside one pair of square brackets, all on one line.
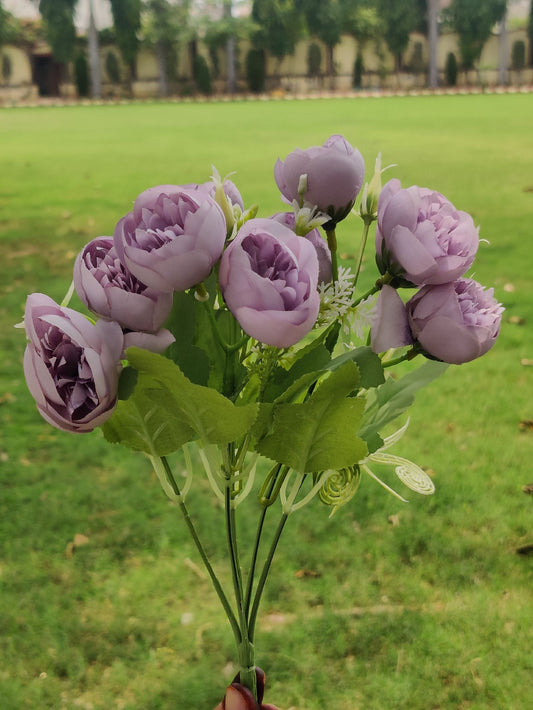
[(367, 222), (383, 281), (264, 574), (409, 355), (255, 554), (332, 244), (245, 645), (207, 564), (265, 502), (218, 335)]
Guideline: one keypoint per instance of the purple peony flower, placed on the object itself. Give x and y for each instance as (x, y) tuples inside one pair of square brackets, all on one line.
[(421, 238), (108, 289), (455, 322), (172, 238), (71, 366), (389, 326), (268, 277), (322, 250), (328, 176)]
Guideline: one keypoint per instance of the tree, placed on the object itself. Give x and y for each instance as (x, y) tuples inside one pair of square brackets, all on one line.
[(279, 26), (127, 22), (473, 21), (165, 25), (364, 24), (503, 49), (400, 18), (216, 23), (58, 22), (530, 33), (325, 19), (3, 23)]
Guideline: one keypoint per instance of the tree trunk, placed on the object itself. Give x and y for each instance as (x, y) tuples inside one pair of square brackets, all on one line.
[(503, 51), (433, 30), (330, 62), (231, 83), (94, 55), (162, 69)]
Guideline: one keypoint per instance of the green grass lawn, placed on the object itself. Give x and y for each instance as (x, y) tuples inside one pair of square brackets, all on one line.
[(419, 606)]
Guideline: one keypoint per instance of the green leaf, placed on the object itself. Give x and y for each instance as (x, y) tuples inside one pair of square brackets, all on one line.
[(394, 398), (191, 359), (140, 424), (370, 367), (213, 417), (314, 359), (127, 382), (320, 433)]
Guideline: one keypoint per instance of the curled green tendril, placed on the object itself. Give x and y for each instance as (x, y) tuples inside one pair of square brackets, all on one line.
[(340, 487)]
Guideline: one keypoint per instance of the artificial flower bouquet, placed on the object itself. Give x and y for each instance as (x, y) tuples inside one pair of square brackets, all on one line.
[(243, 343)]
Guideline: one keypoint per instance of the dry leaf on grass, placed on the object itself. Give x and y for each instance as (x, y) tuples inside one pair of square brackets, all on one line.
[(302, 573), (78, 541)]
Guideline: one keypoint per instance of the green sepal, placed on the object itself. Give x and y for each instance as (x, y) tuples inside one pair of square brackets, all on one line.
[(319, 433)]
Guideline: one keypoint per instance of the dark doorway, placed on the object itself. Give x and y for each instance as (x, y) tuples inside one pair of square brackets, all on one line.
[(46, 74)]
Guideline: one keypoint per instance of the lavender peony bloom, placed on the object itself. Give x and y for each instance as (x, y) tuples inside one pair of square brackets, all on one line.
[(328, 176), (322, 250), (421, 238), (455, 322), (389, 326), (71, 366), (172, 238), (108, 289), (268, 277)]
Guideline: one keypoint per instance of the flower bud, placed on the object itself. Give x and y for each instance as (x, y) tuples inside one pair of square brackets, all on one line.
[(327, 177), (227, 196), (368, 208)]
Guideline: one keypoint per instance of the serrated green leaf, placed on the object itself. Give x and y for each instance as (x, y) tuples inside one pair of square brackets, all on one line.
[(320, 433), (213, 417), (264, 421)]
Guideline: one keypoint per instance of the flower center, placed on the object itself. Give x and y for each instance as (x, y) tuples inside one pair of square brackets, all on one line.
[(102, 261), (71, 373), (478, 307), (271, 260)]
